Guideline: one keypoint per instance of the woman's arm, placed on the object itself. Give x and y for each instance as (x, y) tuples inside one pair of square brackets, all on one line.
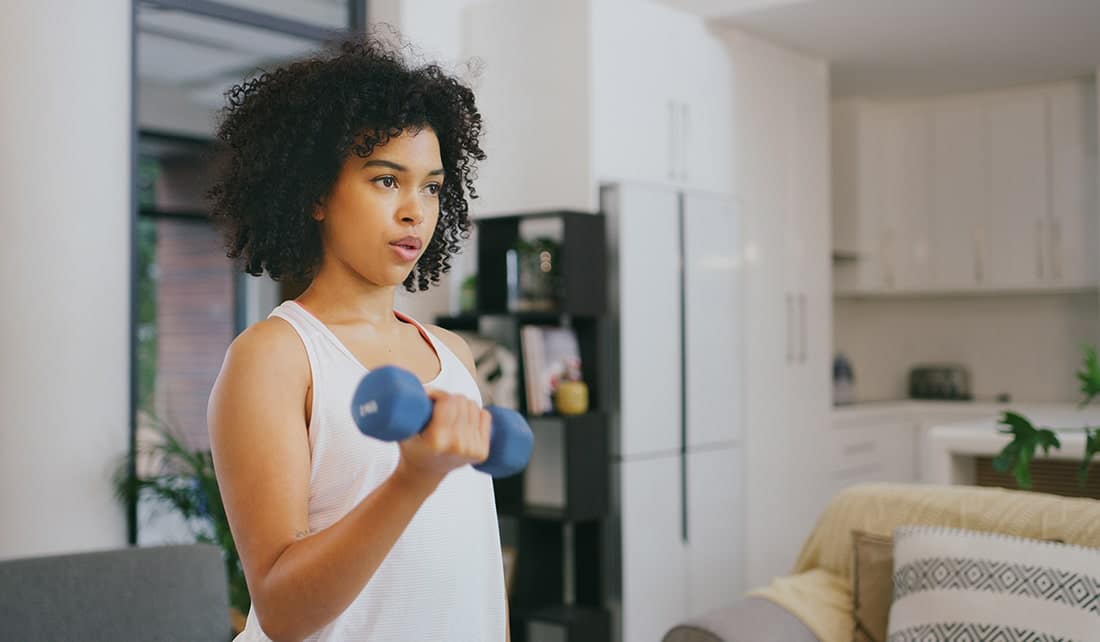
[(299, 582)]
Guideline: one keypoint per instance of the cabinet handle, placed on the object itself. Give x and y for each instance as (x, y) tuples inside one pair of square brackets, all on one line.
[(672, 140), (802, 325), (1056, 249), (860, 448), (888, 256), (1039, 249), (979, 245), (685, 136), (789, 327)]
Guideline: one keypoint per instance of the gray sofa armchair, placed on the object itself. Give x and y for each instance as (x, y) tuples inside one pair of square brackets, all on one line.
[(165, 593), (751, 619)]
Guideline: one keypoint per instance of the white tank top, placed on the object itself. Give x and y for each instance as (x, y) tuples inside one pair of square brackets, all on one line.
[(443, 579)]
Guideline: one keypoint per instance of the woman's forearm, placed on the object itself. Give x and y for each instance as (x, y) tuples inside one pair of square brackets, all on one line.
[(316, 578)]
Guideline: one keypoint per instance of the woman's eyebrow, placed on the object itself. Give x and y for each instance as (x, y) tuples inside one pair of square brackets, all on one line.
[(397, 167)]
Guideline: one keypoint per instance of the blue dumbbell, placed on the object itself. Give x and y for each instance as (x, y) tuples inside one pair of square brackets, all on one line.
[(390, 404)]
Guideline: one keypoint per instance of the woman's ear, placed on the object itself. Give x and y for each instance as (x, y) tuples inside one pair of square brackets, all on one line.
[(318, 213)]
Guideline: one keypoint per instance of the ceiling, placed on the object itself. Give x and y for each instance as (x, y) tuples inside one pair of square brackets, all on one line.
[(900, 48)]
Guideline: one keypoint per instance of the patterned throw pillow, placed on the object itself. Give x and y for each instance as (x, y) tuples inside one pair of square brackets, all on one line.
[(953, 584)]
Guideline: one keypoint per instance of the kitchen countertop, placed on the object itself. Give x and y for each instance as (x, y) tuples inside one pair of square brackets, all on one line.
[(945, 411), (946, 448)]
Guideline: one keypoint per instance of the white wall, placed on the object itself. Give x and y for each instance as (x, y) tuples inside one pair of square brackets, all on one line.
[(1025, 345), (64, 272)]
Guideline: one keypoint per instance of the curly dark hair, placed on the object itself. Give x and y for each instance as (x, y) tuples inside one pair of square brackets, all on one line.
[(286, 134)]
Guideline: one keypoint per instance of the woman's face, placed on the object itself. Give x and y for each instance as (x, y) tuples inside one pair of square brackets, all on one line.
[(383, 209)]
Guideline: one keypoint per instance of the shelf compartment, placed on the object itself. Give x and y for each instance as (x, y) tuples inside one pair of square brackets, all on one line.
[(564, 623), (567, 477), (583, 255)]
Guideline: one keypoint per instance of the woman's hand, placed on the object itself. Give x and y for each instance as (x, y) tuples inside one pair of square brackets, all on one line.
[(456, 435)]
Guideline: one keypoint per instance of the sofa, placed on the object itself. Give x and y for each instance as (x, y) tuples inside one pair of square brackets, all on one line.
[(814, 603), (165, 593)]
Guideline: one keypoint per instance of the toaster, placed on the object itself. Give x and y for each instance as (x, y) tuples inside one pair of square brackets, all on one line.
[(940, 381)]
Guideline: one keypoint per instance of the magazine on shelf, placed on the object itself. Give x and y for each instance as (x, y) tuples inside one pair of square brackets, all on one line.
[(551, 354)]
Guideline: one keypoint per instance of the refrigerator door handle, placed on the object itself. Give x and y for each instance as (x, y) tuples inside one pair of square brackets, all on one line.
[(789, 327), (802, 325), (683, 370), (672, 142)]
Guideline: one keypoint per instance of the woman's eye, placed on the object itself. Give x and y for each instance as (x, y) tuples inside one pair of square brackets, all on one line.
[(387, 181), (433, 188)]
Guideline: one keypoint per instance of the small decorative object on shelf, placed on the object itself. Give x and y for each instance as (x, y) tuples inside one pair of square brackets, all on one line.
[(571, 395), (533, 275)]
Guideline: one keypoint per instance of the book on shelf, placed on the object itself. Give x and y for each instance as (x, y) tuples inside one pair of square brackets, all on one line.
[(551, 354)]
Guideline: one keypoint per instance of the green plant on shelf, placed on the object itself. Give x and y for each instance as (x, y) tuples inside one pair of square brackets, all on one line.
[(1027, 438)]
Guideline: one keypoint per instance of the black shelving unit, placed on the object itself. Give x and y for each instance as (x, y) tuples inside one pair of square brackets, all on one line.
[(558, 583)]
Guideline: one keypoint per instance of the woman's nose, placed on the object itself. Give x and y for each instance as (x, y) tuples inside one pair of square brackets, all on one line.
[(411, 210)]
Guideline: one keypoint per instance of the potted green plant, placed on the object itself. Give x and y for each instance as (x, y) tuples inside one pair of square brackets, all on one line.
[(1027, 438), (184, 480)]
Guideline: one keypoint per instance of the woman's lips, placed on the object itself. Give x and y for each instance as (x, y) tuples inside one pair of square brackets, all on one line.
[(406, 254)]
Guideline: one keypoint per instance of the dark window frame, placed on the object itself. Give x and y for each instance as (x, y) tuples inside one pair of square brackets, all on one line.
[(356, 23)]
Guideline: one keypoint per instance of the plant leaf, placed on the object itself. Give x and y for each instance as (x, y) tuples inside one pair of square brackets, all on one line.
[(1018, 424), (1092, 446), (1047, 439), (1022, 471), (1089, 375), (1017, 455), (1004, 462)]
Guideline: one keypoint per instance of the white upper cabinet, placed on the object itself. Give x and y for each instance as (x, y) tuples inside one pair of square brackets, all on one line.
[(907, 198), (1071, 229), (958, 230), (582, 92), (1018, 189), (992, 191)]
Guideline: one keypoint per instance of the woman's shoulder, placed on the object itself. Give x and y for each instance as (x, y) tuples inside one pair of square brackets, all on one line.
[(269, 343)]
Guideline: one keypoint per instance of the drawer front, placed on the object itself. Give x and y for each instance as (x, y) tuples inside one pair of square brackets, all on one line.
[(873, 453)]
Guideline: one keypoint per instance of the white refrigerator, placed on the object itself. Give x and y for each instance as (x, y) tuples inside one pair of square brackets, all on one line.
[(676, 399)]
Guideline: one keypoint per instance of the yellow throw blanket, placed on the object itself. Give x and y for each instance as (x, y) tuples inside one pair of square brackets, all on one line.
[(819, 590)]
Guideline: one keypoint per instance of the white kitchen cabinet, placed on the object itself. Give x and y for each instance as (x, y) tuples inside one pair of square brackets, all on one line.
[(984, 192), (881, 175), (583, 92), (1071, 228), (958, 227), (887, 181), (1018, 190), (782, 134)]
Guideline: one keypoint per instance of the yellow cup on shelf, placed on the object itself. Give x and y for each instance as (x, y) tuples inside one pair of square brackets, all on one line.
[(571, 398)]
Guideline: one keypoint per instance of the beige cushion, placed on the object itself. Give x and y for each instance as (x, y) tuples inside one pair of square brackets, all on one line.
[(872, 585)]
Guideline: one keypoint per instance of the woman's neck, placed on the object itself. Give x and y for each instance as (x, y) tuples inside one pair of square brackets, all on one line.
[(344, 297)]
